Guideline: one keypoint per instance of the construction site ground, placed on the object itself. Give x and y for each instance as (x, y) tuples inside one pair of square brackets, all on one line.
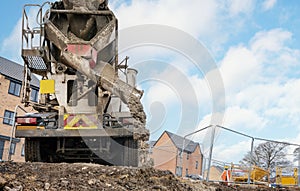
[(43, 176)]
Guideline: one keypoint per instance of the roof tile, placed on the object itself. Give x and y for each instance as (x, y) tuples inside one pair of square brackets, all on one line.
[(13, 70), (189, 145)]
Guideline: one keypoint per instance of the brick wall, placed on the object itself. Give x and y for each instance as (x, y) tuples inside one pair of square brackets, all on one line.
[(189, 164), (194, 158), (214, 174), (166, 157), (17, 157), (9, 102), (164, 154), (6, 103)]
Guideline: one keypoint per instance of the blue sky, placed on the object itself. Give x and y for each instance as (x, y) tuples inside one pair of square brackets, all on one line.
[(256, 48), (11, 12)]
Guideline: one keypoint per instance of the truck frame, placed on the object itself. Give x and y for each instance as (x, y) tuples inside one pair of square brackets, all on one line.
[(85, 112)]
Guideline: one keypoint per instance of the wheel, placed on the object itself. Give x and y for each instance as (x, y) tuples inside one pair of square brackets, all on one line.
[(32, 150), (131, 153)]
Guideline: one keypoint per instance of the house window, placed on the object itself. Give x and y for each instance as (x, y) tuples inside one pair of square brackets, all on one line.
[(187, 156), (197, 164), (186, 172), (178, 171), (23, 150), (14, 88), (1, 149), (34, 95), (8, 117), (12, 148)]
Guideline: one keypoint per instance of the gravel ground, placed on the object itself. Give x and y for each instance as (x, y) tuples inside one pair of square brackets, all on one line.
[(42, 176), (56, 177)]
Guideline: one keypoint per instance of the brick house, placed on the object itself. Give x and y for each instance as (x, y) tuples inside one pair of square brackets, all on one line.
[(166, 154), (11, 76), (214, 173)]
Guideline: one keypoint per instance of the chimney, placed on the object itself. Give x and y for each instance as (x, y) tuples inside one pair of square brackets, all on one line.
[(131, 76)]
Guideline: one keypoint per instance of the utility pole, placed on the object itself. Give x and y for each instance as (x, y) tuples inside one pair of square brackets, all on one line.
[(251, 161), (203, 165), (211, 151)]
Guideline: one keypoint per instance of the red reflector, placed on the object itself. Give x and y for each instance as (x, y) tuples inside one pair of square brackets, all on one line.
[(32, 121), (92, 64)]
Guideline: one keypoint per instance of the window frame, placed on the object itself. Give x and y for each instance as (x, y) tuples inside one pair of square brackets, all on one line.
[(12, 148), (2, 144), (12, 90), (7, 121), (36, 95), (197, 165), (178, 171), (188, 156)]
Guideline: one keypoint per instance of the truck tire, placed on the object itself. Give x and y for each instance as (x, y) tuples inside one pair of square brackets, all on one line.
[(131, 153), (32, 150)]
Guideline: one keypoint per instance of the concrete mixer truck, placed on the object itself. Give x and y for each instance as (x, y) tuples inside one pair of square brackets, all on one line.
[(89, 108)]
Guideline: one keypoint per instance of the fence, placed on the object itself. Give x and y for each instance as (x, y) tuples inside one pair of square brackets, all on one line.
[(227, 148), (230, 173)]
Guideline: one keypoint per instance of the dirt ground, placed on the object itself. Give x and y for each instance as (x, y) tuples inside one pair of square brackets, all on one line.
[(42, 176)]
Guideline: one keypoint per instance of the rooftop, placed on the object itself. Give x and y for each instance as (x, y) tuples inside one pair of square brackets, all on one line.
[(189, 145), (14, 70)]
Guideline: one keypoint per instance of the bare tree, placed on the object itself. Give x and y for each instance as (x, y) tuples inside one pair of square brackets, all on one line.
[(297, 156), (267, 155)]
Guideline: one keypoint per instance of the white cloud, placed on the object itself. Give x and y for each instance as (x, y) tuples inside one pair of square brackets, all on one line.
[(259, 97), (272, 40), (261, 85), (193, 17), (256, 99), (271, 48), (288, 103), (233, 153), (237, 6), (258, 64), (269, 4), (202, 90), (11, 46), (275, 79), (239, 68), (180, 96), (173, 84), (162, 93), (243, 119), (275, 103), (235, 117)]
